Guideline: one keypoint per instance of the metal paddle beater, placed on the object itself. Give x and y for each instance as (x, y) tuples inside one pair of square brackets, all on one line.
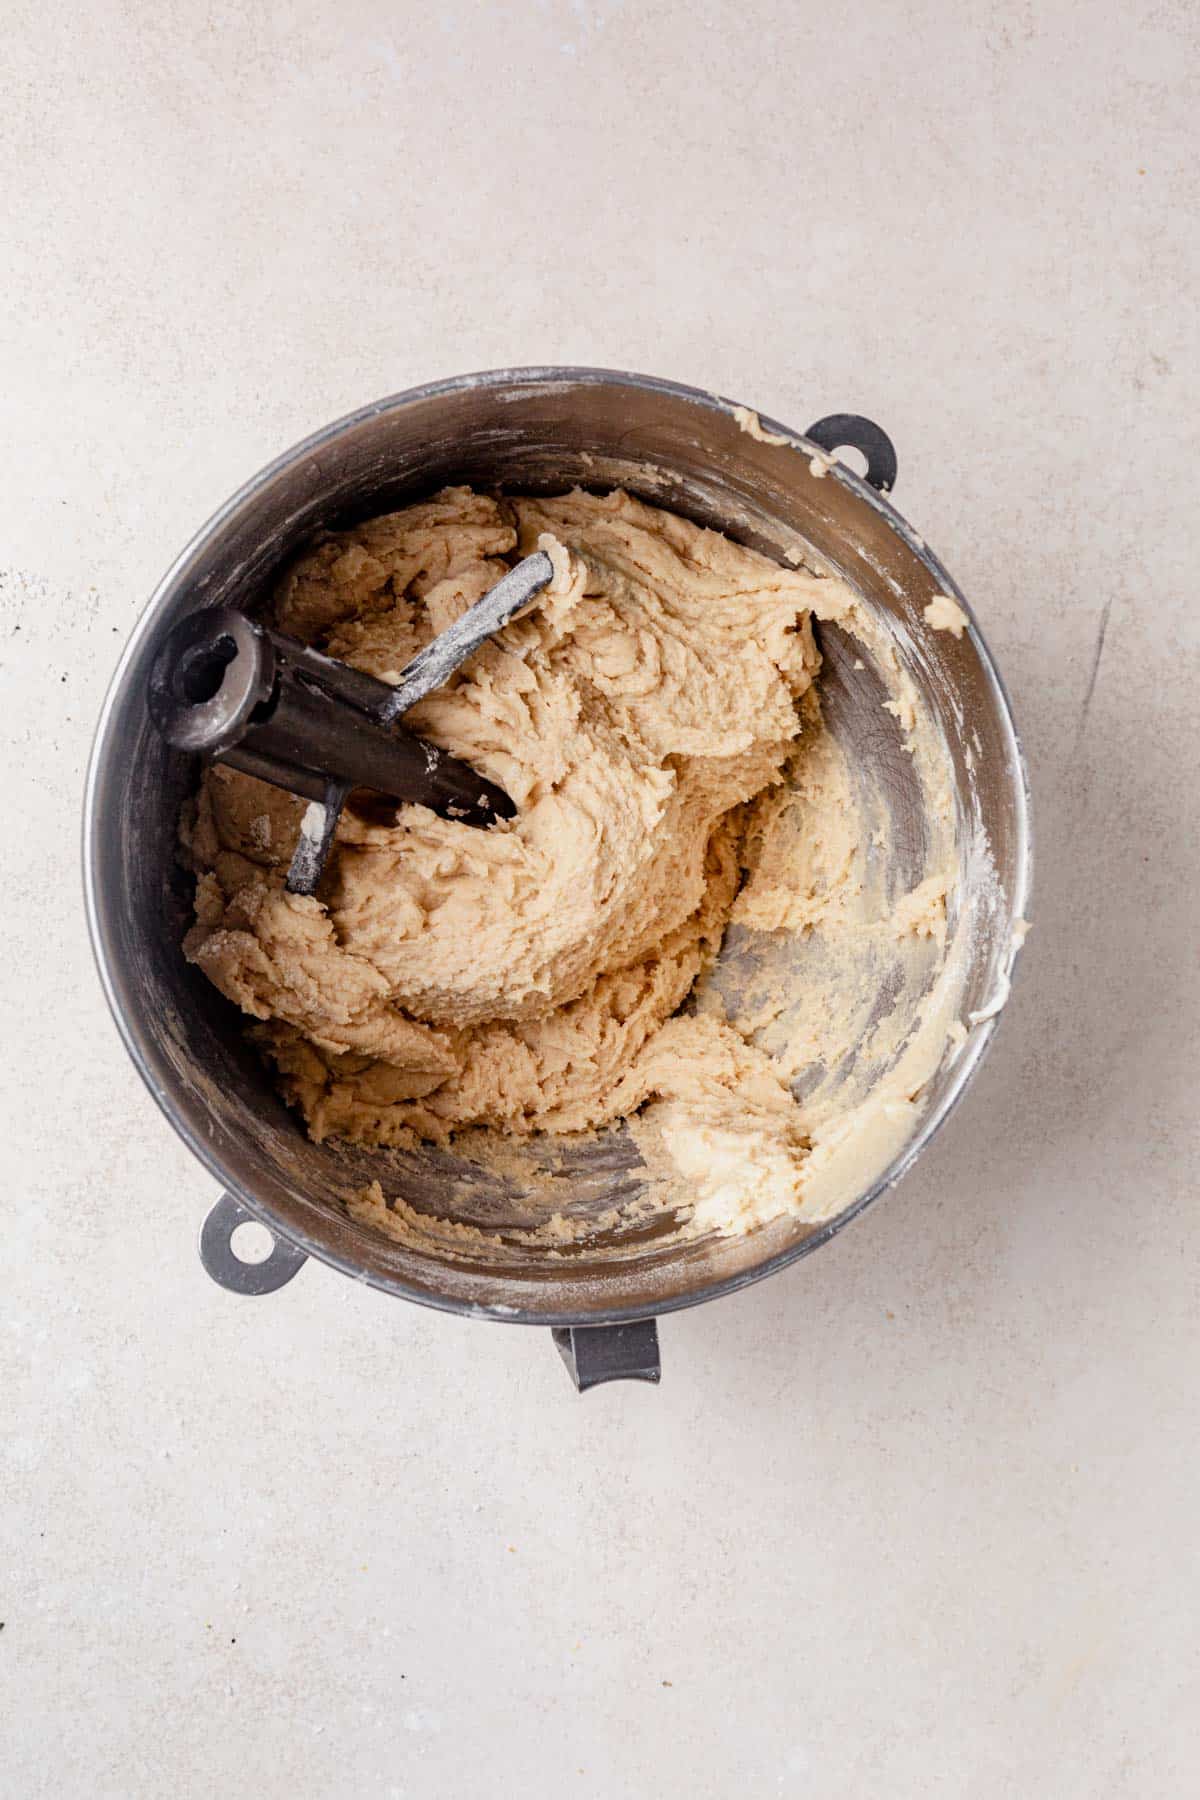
[(230, 689)]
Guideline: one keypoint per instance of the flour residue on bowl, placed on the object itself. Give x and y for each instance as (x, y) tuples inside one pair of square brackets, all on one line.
[(748, 421)]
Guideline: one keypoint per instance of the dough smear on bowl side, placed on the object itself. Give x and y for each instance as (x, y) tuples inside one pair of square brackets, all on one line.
[(529, 978)]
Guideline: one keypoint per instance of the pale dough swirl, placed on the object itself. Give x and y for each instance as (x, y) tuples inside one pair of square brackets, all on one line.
[(525, 977)]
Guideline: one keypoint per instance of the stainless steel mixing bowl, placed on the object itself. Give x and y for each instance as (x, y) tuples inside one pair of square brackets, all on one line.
[(523, 429)]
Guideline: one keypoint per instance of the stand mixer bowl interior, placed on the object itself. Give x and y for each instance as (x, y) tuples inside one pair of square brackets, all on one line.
[(527, 431)]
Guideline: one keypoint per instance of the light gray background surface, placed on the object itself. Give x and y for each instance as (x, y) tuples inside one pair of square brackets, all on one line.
[(918, 1517)]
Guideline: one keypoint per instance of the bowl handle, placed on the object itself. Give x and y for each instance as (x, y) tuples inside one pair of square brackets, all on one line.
[(592, 1353), (596, 1353), (227, 1268), (850, 430)]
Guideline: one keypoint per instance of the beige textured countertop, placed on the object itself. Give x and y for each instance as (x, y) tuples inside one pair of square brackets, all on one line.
[(917, 1517)]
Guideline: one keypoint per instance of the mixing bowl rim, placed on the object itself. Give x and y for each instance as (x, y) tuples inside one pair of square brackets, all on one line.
[(98, 905)]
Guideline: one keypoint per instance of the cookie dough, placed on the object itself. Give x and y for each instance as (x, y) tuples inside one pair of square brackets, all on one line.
[(529, 978), (945, 614)]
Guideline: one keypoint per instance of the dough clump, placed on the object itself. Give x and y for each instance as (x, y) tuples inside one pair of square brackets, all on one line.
[(528, 977)]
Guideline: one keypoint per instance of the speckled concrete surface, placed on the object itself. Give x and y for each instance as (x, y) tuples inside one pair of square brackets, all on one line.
[(917, 1518)]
